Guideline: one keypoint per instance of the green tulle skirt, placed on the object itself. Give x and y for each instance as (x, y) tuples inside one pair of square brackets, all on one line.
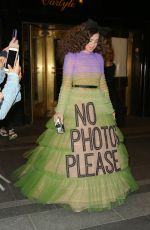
[(86, 168)]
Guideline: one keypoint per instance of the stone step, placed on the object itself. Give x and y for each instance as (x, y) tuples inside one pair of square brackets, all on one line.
[(54, 217)]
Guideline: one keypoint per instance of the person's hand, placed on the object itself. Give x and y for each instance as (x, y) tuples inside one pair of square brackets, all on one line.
[(58, 115), (2, 61), (114, 115), (1, 96), (12, 44), (16, 69)]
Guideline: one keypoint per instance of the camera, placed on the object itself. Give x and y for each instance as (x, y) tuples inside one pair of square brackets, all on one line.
[(59, 126)]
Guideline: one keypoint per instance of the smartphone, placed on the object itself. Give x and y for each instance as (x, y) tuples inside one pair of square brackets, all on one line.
[(14, 33), (12, 57)]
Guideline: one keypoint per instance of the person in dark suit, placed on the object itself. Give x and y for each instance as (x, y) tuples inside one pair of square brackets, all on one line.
[(109, 70)]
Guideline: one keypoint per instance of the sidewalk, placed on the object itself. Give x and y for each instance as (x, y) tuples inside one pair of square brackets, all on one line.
[(19, 213)]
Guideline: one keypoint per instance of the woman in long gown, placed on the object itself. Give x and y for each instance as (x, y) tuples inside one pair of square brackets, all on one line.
[(86, 167)]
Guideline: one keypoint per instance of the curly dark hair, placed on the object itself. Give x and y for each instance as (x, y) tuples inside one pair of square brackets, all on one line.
[(79, 36)]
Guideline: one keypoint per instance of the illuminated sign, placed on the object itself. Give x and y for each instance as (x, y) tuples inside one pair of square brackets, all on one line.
[(61, 4)]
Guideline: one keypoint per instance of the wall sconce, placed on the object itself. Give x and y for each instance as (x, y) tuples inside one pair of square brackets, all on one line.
[(136, 50), (81, 1)]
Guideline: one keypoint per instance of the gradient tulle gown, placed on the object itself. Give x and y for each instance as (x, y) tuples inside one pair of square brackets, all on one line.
[(86, 168)]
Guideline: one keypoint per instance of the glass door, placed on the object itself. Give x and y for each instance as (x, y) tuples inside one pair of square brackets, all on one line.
[(42, 69)]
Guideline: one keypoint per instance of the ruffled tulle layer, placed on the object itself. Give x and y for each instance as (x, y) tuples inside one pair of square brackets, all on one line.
[(92, 193)]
